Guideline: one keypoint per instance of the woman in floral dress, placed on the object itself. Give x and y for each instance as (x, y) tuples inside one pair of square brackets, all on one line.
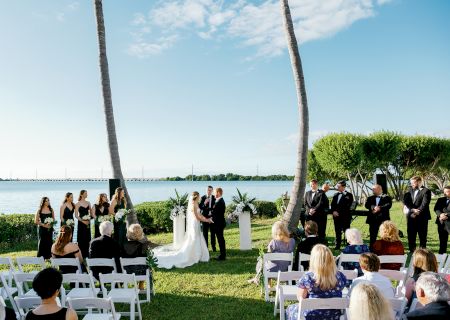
[(355, 246), (323, 280)]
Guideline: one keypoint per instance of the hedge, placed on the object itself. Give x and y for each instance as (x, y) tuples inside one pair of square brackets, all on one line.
[(16, 228), (154, 216), (265, 209)]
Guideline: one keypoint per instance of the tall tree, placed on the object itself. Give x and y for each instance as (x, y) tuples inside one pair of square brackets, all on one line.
[(107, 104), (292, 215)]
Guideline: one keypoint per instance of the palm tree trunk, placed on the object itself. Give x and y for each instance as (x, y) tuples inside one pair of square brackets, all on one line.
[(292, 215), (108, 106)]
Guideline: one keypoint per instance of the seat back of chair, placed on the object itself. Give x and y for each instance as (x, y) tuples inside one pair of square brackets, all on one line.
[(77, 278), (289, 276), (276, 256), (7, 290), (37, 263), (441, 258), (301, 258), (7, 262), (72, 262), (121, 278), (394, 274), (347, 257), (22, 279), (101, 262), (25, 304), (101, 304), (401, 259), (350, 274), (138, 261), (322, 303)]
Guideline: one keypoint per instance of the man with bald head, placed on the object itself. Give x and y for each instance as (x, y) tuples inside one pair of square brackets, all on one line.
[(378, 205)]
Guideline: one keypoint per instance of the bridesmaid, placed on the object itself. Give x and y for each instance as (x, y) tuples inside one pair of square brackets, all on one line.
[(101, 208), (118, 202), (67, 210), (45, 230), (83, 215)]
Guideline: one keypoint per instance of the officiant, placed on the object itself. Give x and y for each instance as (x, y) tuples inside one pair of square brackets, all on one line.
[(206, 204), (442, 209)]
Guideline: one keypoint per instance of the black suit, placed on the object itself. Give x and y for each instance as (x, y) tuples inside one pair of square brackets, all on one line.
[(442, 206), (207, 213), (104, 247), (320, 203), (434, 310), (418, 224), (218, 216), (374, 220), (305, 246), (342, 206)]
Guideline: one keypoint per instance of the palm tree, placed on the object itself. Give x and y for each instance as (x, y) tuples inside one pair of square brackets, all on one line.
[(292, 214), (107, 104)]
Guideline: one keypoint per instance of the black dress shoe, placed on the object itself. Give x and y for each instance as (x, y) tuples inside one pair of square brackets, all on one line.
[(220, 258), (214, 250)]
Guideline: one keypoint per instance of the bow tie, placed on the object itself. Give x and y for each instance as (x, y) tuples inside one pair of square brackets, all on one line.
[(378, 196), (339, 192)]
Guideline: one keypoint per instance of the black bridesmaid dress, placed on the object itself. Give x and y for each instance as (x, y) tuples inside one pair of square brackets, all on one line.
[(45, 240), (120, 228), (84, 232), (99, 213), (68, 214)]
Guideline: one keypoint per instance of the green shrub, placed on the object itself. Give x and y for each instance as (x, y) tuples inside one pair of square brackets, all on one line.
[(279, 205), (154, 216), (17, 228), (266, 209)]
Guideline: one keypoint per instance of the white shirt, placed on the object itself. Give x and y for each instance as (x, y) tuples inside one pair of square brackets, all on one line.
[(381, 282), (377, 200), (415, 194)]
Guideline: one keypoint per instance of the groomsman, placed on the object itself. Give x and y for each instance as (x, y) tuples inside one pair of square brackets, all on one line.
[(378, 205), (340, 207), (218, 217), (316, 205), (417, 202), (442, 209), (206, 204)]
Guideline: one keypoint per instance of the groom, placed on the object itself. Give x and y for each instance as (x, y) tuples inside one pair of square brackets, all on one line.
[(218, 217)]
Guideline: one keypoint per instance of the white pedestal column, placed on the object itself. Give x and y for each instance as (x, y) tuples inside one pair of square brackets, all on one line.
[(179, 230), (245, 231)]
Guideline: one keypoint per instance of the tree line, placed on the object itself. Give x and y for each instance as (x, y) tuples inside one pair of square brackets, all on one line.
[(357, 157)]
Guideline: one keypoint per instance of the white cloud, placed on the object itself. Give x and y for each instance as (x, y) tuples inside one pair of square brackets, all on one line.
[(257, 25)]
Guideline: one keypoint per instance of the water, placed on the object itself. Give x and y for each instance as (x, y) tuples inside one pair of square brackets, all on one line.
[(25, 196)]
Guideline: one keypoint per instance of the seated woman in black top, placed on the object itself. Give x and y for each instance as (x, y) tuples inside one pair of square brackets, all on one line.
[(63, 248), (46, 284), (306, 245)]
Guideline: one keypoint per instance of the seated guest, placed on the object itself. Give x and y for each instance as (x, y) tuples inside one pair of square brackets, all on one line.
[(389, 244), (323, 280), (355, 246), (63, 248), (433, 292), (423, 260), (47, 284), (105, 247), (137, 245), (280, 243), (370, 264), (306, 245), (367, 302)]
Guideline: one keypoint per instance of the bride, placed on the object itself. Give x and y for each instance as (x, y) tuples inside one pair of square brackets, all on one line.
[(194, 248)]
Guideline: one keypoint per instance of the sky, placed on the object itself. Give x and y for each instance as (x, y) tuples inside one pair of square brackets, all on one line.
[(209, 84)]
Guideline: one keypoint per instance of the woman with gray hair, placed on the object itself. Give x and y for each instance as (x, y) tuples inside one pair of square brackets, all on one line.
[(355, 246), (432, 291)]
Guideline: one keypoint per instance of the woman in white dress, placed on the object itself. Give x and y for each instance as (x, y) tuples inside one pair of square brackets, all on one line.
[(193, 248)]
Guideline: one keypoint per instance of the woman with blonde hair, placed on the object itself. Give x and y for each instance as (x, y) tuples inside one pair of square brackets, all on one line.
[(368, 303), (423, 260), (323, 280), (389, 244)]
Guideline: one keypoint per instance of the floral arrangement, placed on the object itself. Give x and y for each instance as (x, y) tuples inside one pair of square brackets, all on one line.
[(121, 215), (49, 221), (243, 203), (100, 219), (86, 217), (152, 263), (69, 222), (179, 205)]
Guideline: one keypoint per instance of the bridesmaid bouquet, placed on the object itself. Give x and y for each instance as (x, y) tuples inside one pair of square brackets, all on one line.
[(50, 221), (121, 215), (100, 219), (86, 217), (70, 223)]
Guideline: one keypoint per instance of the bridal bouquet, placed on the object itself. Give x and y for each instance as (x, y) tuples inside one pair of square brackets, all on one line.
[(100, 219), (50, 221), (179, 205), (243, 203), (121, 215), (69, 222), (86, 217)]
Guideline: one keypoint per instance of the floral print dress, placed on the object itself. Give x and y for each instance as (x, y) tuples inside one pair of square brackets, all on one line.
[(354, 249), (308, 282)]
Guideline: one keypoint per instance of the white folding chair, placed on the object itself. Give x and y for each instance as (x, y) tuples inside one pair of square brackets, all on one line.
[(347, 257), (288, 291), (320, 304), (128, 294), (400, 259), (66, 262), (6, 263), (396, 275), (273, 275), (22, 280), (104, 308), (30, 264), (301, 258), (124, 262), (7, 293), (2, 308), (398, 305), (88, 290), (101, 262), (25, 304), (350, 274), (441, 261)]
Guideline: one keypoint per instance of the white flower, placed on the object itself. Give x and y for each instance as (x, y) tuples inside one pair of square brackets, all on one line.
[(70, 222), (120, 214), (86, 217), (101, 219), (177, 211), (49, 221)]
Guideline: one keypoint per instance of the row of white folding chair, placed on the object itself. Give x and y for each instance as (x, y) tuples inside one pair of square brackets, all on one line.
[(321, 304), (88, 288), (104, 307), (273, 275), (287, 291), (66, 262), (25, 304), (124, 262), (101, 262)]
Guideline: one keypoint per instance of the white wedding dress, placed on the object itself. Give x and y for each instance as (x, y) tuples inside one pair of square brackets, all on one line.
[(192, 250)]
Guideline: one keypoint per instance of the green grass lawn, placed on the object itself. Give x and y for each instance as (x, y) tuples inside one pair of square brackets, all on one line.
[(218, 289)]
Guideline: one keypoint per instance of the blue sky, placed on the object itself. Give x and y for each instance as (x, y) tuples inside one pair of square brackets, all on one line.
[(209, 83)]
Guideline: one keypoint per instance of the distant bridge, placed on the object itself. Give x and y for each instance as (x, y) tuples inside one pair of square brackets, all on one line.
[(79, 180)]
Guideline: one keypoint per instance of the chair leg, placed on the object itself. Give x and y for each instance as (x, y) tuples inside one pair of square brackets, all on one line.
[(275, 305), (139, 308)]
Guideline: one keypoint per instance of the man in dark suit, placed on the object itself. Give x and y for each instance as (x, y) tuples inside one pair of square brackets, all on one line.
[(432, 291), (378, 205), (206, 204), (316, 207), (340, 208), (218, 217), (105, 247), (442, 209), (417, 202), (306, 245)]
